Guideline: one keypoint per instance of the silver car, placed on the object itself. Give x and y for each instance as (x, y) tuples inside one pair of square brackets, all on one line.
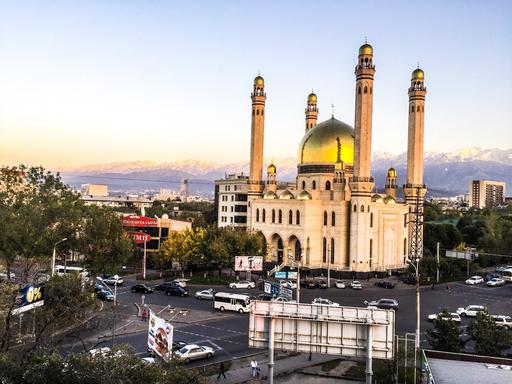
[(194, 352), (206, 294)]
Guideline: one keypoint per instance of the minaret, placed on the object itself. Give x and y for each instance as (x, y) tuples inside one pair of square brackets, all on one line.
[(391, 182), (272, 178), (258, 97), (414, 189), (362, 184), (311, 111)]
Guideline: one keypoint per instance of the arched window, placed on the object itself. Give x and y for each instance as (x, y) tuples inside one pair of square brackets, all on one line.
[(405, 246), (355, 208), (257, 214), (371, 251), (333, 219), (263, 214), (290, 217), (371, 220), (280, 217), (412, 108), (371, 90), (418, 109), (257, 111), (327, 185), (365, 89), (359, 90), (253, 111), (332, 251), (262, 111), (324, 250), (423, 109), (362, 208), (273, 215), (297, 217), (325, 218), (313, 185), (303, 185), (368, 209)]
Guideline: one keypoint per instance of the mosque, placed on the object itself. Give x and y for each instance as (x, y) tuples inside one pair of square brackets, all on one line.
[(332, 217)]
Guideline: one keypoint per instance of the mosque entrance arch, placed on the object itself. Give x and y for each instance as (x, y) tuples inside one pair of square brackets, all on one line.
[(294, 247), (277, 247)]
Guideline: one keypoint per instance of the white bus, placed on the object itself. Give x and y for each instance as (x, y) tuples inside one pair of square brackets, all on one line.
[(60, 270), (231, 302), (507, 275)]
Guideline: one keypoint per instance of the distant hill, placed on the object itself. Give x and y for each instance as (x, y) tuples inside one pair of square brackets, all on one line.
[(445, 173)]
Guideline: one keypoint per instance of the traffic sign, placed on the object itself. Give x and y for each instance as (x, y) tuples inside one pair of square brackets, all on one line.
[(267, 287), (286, 293)]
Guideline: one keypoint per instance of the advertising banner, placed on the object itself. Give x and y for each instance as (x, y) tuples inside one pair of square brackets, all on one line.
[(29, 297), (248, 263), (160, 336), (139, 221), (139, 237)]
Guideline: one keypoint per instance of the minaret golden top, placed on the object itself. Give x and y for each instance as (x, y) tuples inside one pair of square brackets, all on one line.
[(418, 74), (366, 49), (258, 80)]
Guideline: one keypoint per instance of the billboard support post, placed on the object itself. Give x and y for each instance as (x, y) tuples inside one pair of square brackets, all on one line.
[(369, 354), (144, 262), (271, 351)]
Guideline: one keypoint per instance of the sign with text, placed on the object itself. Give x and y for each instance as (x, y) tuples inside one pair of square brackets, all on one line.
[(248, 263), (160, 336), (139, 221), (30, 297), (139, 237)]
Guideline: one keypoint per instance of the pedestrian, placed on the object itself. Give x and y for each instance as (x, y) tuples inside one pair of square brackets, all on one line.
[(433, 284), (254, 365), (309, 358), (221, 371), (144, 315)]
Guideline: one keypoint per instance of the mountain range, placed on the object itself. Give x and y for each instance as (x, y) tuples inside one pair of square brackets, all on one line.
[(446, 174)]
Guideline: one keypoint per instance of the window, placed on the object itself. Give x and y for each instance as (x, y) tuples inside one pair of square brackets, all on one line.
[(257, 112), (359, 90), (297, 218), (332, 251), (371, 220), (355, 208), (333, 218), (418, 108), (263, 214), (280, 217), (412, 108), (273, 215), (303, 184), (327, 185), (257, 214), (290, 217), (325, 218), (324, 250), (365, 89), (405, 247), (362, 208), (313, 185)]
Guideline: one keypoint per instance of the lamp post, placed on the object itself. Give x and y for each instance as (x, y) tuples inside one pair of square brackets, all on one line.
[(298, 274), (54, 253)]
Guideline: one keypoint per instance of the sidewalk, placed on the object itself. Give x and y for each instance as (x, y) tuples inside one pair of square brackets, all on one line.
[(288, 364)]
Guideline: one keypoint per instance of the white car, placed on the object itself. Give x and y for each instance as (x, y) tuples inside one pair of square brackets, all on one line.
[(3, 275), (470, 310), (149, 360), (453, 316), (206, 294), (495, 282), (320, 301), (194, 352), (112, 280), (473, 280), (242, 284), (99, 351), (356, 285), (340, 284), (502, 321), (288, 284), (181, 282), (281, 299)]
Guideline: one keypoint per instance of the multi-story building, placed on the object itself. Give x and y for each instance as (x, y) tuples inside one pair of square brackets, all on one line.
[(231, 200), (486, 193), (94, 190), (117, 201)]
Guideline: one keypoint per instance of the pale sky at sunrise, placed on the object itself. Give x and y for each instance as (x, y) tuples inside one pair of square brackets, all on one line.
[(89, 82)]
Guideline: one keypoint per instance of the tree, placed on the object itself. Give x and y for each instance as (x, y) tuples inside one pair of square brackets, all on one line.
[(489, 339), (445, 336), (171, 250)]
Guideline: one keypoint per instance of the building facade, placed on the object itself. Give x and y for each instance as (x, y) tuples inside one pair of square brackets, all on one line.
[(231, 200), (486, 193)]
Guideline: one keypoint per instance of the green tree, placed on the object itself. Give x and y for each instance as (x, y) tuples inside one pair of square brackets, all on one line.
[(489, 339), (445, 336)]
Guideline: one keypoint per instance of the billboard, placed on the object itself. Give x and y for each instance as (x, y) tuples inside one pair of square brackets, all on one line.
[(341, 331), (29, 297), (160, 336), (139, 221), (139, 237), (248, 263)]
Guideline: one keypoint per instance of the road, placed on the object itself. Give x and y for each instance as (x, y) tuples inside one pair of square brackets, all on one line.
[(228, 332)]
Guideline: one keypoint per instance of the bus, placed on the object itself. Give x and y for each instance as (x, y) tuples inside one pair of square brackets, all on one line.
[(231, 302), (60, 270)]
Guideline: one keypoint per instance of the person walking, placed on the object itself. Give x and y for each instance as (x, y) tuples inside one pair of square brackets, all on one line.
[(254, 365), (221, 371), (144, 315)]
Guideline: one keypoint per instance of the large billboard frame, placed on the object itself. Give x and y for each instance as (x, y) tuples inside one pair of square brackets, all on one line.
[(248, 263), (160, 336)]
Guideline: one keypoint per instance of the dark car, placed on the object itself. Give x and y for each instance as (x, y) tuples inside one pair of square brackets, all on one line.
[(408, 279), (164, 286), (176, 291), (308, 283), (98, 287), (105, 295), (490, 276), (143, 288), (321, 284), (265, 297), (385, 284)]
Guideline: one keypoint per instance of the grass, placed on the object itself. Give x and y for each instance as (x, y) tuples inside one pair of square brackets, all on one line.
[(330, 365), (209, 280)]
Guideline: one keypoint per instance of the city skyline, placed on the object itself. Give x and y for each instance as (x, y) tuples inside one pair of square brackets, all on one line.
[(94, 83)]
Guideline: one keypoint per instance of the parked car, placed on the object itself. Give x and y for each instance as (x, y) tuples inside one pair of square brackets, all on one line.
[(177, 345), (103, 351), (143, 288), (310, 283), (495, 282), (320, 301), (265, 297), (242, 284), (501, 321), (41, 277), (281, 299), (321, 284), (181, 282), (194, 352), (112, 280), (453, 316), (385, 284), (104, 295), (205, 294), (473, 280), (163, 286), (98, 287), (3, 275), (383, 304), (502, 268), (470, 310), (176, 291), (340, 284), (288, 284), (490, 276), (356, 285)]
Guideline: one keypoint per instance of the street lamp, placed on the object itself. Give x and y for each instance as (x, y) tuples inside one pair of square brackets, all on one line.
[(54, 252)]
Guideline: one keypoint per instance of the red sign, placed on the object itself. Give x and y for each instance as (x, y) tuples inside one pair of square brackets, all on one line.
[(139, 221), (139, 237)]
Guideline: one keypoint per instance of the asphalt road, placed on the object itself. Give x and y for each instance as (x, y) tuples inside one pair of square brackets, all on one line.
[(228, 335)]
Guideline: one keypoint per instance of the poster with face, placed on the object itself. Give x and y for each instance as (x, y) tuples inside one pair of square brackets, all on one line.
[(160, 336)]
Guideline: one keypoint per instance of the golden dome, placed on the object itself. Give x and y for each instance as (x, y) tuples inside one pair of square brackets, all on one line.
[(312, 97), (286, 195), (418, 74), (258, 80), (271, 169), (391, 172), (366, 49), (389, 200), (304, 195), (269, 195), (377, 198), (320, 144)]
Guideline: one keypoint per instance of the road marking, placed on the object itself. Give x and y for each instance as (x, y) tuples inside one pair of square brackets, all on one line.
[(207, 337), (222, 329)]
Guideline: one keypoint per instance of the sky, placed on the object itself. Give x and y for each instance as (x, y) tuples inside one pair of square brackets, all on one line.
[(90, 82)]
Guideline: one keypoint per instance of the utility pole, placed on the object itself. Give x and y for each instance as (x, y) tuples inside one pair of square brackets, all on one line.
[(437, 262), (329, 265)]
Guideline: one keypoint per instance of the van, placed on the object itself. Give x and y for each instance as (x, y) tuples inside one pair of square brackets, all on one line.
[(231, 302), (507, 275)]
